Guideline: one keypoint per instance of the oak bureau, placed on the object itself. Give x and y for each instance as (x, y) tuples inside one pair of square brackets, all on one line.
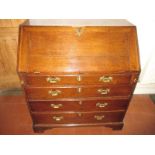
[(78, 72)]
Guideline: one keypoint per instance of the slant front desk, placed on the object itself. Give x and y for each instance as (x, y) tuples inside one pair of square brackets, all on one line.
[(78, 72)]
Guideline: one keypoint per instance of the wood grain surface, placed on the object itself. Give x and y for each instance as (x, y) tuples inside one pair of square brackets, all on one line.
[(72, 92), (91, 79), (62, 63), (92, 51), (8, 53), (81, 105)]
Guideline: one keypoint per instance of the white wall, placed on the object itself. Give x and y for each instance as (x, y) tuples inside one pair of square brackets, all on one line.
[(146, 37)]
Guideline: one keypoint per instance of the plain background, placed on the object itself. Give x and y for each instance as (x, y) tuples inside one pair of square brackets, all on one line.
[(146, 33), (141, 13)]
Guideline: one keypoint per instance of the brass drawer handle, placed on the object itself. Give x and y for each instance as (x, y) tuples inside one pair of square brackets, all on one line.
[(101, 105), (105, 79), (57, 118), (54, 92), (103, 91), (99, 118), (56, 106), (53, 79)]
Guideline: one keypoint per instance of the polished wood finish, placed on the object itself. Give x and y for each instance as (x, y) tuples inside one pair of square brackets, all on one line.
[(62, 43), (78, 118), (38, 93), (80, 79), (69, 69), (81, 105)]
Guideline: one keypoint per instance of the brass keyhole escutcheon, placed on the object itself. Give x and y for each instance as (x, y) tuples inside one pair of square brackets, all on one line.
[(79, 90), (79, 31), (79, 78), (79, 114)]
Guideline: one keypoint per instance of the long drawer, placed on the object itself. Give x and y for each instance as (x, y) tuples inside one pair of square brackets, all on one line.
[(86, 105), (75, 92), (51, 80), (78, 118)]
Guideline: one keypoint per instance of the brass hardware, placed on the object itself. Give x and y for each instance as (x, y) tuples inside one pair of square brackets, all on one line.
[(53, 79), (79, 90), (105, 79), (79, 31), (57, 118), (99, 118), (101, 105), (54, 92), (79, 78), (79, 114), (56, 106), (80, 102), (103, 91)]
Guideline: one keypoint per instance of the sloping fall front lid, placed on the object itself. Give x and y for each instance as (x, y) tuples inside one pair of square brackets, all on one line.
[(70, 46)]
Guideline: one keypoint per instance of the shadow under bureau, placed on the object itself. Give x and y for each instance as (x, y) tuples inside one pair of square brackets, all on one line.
[(78, 72)]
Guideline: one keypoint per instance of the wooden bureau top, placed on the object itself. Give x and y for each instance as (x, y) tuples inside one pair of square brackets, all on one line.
[(78, 46)]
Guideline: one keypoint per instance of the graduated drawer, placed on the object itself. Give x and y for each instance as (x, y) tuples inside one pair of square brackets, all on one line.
[(51, 80), (78, 118), (74, 92), (87, 105)]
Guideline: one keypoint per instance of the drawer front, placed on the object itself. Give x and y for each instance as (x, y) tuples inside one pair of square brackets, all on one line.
[(67, 92), (78, 118), (87, 105), (47, 81)]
